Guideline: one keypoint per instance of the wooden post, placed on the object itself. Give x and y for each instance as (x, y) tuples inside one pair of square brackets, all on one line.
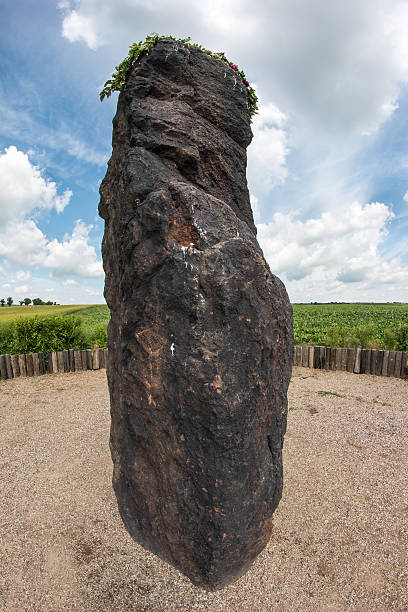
[(344, 359), (357, 362), (310, 356), (9, 369), (316, 357), (83, 360), (53, 363), (105, 356), (41, 362), (65, 359), (95, 357), (391, 363), (88, 359), (3, 367), (77, 361), (60, 361), (404, 365), (71, 360), (364, 361), (379, 362), (30, 364), (36, 364), (101, 358), (351, 356), (384, 370), (373, 358), (398, 363), (337, 364), (22, 365), (333, 354), (15, 366)]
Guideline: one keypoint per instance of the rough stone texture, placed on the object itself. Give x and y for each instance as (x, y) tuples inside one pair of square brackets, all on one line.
[(200, 339)]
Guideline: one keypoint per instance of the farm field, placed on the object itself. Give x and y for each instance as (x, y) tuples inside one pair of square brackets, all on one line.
[(9, 313), (34, 329), (381, 326), (367, 325)]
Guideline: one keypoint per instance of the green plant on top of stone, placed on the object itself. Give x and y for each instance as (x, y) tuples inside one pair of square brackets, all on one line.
[(119, 77)]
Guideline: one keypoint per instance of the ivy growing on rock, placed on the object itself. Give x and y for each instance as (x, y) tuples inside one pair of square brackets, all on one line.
[(119, 77)]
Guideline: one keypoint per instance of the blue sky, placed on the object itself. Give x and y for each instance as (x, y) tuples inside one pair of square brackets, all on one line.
[(327, 168)]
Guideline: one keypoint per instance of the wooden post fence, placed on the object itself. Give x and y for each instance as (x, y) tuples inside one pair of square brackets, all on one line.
[(36, 364), (359, 361)]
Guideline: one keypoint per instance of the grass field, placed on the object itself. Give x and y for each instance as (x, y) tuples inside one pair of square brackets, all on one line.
[(9, 313), (366, 325)]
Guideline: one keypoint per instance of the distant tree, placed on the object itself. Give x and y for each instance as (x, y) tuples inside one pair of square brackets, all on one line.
[(2, 301), (27, 301), (9, 301), (49, 303), (38, 302), (21, 302)]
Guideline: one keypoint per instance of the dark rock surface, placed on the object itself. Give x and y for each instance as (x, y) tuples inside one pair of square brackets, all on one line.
[(200, 339)]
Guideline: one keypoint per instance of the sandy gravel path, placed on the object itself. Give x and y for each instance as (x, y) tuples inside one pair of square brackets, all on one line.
[(340, 540)]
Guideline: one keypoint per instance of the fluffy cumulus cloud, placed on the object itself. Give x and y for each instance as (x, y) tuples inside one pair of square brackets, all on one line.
[(23, 243), (329, 253), (334, 65), (23, 188), (79, 27), (329, 75), (267, 153), (74, 255), (25, 191)]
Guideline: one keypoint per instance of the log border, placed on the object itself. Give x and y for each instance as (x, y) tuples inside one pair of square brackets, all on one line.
[(356, 360), (359, 361), (36, 364)]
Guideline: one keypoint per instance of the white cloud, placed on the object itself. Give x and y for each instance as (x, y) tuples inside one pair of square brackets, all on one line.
[(405, 197), (23, 243), (336, 66), (22, 289), (330, 252), (80, 28), (69, 282), (255, 207), (74, 255), (22, 275), (23, 189), (268, 150)]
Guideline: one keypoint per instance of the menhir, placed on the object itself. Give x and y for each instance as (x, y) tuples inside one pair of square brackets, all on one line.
[(200, 337)]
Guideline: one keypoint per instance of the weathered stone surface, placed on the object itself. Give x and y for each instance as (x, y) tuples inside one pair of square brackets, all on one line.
[(200, 339)]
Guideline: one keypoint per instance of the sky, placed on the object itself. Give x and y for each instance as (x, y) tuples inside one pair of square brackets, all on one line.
[(327, 167)]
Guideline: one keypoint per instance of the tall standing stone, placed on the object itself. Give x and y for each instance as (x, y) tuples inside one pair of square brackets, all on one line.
[(200, 338)]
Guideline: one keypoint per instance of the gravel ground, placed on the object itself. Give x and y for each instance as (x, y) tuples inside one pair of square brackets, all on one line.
[(340, 532)]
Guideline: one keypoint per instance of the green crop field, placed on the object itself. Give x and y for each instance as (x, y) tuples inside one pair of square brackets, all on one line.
[(366, 325), (92, 315), (382, 326)]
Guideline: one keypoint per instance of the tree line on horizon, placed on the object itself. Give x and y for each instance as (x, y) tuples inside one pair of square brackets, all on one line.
[(27, 301)]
